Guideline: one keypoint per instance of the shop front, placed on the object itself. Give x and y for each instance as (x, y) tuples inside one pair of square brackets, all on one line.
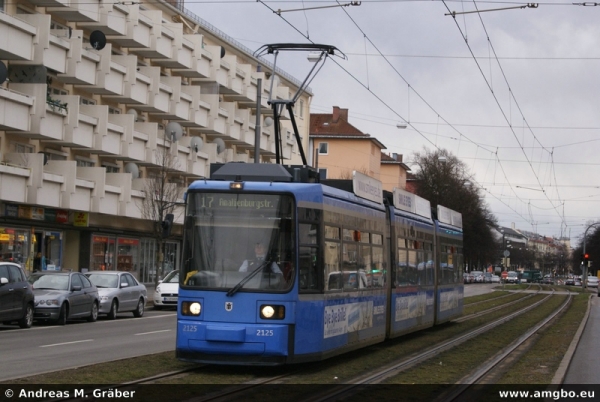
[(34, 248), (136, 255)]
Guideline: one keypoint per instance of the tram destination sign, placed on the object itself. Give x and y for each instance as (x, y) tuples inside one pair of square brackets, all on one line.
[(258, 202), (411, 203), (367, 187)]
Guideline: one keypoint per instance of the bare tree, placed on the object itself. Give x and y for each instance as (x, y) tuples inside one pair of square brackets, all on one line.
[(444, 179), (162, 197)]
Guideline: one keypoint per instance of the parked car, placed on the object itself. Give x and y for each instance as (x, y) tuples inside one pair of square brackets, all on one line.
[(592, 281), (495, 279), (513, 277), (12, 257), (61, 296), (119, 292), (477, 276), (166, 293), (468, 277), (487, 277), (16, 296), (570, 281)]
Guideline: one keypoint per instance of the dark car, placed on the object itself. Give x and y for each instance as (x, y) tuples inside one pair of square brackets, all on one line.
[(119, 292), (16, 296), (61, 296)]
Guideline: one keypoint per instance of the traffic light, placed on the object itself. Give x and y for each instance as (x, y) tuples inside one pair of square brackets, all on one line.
[(586, 258)]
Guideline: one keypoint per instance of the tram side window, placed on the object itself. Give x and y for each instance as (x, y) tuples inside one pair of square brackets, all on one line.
[(429, 265), (377, 260), (413, 273), (460, 265), (308, 269), (447, 265), (333, 279), (402, 272), (350, 259)]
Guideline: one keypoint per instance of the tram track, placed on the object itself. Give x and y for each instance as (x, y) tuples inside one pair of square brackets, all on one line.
[(488, 371)]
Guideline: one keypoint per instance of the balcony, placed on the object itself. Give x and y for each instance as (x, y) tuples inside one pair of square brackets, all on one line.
[(111, 75), (180, 102), (198, 163), (143, 144), (50, 47), (47, 120), (157, 93), (217, 117), (136, 85), (218, 69), (201, 60), (16, 38), (112, 19), (82, 64), (13, 180), (138, 31), (76, 189), (183, 52), (242, 90), (74, 10), (15, 110), (161, 37)]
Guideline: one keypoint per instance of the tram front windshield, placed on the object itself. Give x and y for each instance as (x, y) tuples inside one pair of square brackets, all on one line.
[(238, 242)]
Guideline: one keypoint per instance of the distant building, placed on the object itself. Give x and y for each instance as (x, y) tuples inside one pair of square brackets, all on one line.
[(338, 148)]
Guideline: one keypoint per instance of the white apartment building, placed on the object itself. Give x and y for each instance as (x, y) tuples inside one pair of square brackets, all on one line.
[(76, 121)]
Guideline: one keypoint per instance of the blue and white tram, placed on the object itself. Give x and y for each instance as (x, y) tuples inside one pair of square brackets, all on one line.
[(344, 269)]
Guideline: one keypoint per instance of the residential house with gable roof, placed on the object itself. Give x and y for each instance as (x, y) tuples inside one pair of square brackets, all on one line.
[(337, 148)]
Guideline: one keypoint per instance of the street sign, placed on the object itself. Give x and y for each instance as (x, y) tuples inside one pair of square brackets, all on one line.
[(506, 253)]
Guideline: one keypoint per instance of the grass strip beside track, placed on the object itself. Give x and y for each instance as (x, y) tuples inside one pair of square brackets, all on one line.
[(449, 367)]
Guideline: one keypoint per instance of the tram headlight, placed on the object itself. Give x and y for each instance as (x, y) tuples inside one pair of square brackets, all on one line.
[(272, 312), (191, 308)]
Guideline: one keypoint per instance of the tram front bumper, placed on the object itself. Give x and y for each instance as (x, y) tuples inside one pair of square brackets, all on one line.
[(232, 339)]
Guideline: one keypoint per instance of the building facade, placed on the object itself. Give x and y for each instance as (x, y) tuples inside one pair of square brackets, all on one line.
[(337, 148), (98, 93)]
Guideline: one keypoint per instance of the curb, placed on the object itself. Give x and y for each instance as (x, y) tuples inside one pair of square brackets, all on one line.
[(560, 374)]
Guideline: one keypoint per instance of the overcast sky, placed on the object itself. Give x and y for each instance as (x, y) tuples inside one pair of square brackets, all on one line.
[(521, 109)]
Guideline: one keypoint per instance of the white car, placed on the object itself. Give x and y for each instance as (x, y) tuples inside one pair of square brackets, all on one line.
[(592, 282), (495, 279), (167, 291)]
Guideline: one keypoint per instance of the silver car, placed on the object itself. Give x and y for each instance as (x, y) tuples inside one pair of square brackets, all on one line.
[(119, 292), (60, 296)]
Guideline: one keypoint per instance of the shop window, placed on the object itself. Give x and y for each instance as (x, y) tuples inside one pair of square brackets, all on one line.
[(127, 254), (103, 252)]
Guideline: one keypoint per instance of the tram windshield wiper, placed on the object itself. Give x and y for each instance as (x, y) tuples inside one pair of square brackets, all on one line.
[(237, 287)]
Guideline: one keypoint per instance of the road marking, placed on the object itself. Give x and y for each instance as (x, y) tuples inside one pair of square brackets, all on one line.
[(65, 343), (153, 332)]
